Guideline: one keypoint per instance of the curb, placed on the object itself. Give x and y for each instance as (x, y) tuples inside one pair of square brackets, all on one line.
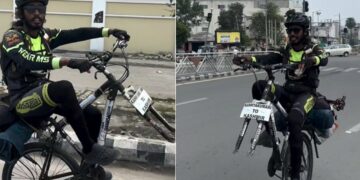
[(208, 76), (135, 149)]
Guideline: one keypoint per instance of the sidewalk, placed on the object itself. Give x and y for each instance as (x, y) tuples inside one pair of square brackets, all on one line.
[(125, 170), (128, 132)]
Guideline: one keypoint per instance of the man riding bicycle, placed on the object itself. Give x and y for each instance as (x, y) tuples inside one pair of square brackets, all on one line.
[(298, 94), (26, 58)]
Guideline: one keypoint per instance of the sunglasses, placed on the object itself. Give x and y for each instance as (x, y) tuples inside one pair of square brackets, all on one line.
[(33, 9), (295, 30)]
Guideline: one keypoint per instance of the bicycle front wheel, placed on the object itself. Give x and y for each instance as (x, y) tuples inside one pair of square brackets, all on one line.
[(32, 164), (306, 161)]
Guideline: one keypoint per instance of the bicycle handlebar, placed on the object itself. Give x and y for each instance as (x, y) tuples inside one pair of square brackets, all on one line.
[(269, 67)]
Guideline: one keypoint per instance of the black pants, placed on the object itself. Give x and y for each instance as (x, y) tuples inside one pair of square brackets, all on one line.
[(60, 98), (297, 105)]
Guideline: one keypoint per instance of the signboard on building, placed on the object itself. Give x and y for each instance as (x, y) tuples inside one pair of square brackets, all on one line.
[(98, 20), (227, 37)]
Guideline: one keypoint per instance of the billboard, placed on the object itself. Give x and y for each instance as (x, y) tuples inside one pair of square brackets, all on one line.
[(227, 37)]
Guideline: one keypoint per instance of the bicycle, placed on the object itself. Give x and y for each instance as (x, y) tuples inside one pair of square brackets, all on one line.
[(263, 112), (46, 160)]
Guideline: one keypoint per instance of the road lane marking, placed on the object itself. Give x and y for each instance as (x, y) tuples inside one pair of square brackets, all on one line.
[(329, 69), (215, 79), (350, 69), (354, 129), (191, 101)]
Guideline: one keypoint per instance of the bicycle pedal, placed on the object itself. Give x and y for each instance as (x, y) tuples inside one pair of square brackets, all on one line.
[(317, 141), (99, 173), (278, 141)]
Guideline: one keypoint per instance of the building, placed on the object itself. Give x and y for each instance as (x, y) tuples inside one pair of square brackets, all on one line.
[(250, 7), (151, 23), (216, 6), (326, 32)]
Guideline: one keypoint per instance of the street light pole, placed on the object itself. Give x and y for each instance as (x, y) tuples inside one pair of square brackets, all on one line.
[(318, 14), (237, 23), (275, 34), (207, 34), (340, 39), (266, 29)]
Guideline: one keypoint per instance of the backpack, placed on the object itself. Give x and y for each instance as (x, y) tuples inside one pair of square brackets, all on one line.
[(14, 133)]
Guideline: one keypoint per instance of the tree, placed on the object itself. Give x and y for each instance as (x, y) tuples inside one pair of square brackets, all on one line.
[(351, 23), (188, 14), (182, 33), (232, 20), (257, 25)]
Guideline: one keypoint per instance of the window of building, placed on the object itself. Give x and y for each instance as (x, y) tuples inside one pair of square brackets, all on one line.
[(221, 6), (204, 6), (204, 29)]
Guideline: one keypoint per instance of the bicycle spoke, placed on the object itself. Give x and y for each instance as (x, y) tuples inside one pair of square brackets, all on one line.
[(31, 165), (25, 169), (304, 167), (60, 172)]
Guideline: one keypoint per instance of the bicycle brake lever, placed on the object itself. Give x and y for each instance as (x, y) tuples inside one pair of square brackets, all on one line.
[(95, 76)]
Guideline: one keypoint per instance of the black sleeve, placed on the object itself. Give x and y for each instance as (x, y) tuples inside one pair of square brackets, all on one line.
[(61, 37), (271, 58), (14, 47), (321, 57)]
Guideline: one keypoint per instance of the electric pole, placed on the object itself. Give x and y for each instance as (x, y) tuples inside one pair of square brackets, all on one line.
[(340, 39)]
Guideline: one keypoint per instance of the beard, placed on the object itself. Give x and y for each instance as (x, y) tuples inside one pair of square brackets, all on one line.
[(34, 25), (296, 40)]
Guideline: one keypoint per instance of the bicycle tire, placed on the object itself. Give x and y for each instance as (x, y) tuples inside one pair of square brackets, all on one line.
[(36, 151), (308, 166)]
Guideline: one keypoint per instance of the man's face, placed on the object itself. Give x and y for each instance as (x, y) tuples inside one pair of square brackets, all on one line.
[(295, 34), (34, 14)]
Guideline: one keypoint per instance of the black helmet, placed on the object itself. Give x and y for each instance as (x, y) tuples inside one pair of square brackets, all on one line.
[(21, 3), (296, 18)]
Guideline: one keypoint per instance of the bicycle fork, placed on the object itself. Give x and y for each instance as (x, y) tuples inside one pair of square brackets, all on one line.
[(276, 155), (256, 138), (242, 134)]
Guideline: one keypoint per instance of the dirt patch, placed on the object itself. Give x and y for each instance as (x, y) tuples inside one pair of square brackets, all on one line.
[(126, 121)]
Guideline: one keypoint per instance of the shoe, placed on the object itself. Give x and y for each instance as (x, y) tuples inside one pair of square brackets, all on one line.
[(274, 164), (271, 166), (265, 140), (101, 155), (98, 172)]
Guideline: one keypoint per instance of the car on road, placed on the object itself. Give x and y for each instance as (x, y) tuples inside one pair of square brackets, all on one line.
[(338, 50)]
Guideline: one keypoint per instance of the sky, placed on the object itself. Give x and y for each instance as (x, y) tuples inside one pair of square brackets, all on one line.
[(330, 9)]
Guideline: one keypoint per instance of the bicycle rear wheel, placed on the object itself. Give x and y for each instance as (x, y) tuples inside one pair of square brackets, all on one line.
[(306, 161), (31, 164)]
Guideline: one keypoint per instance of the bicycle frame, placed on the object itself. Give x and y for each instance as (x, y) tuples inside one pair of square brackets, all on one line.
[(112, 86), (109, 105)]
